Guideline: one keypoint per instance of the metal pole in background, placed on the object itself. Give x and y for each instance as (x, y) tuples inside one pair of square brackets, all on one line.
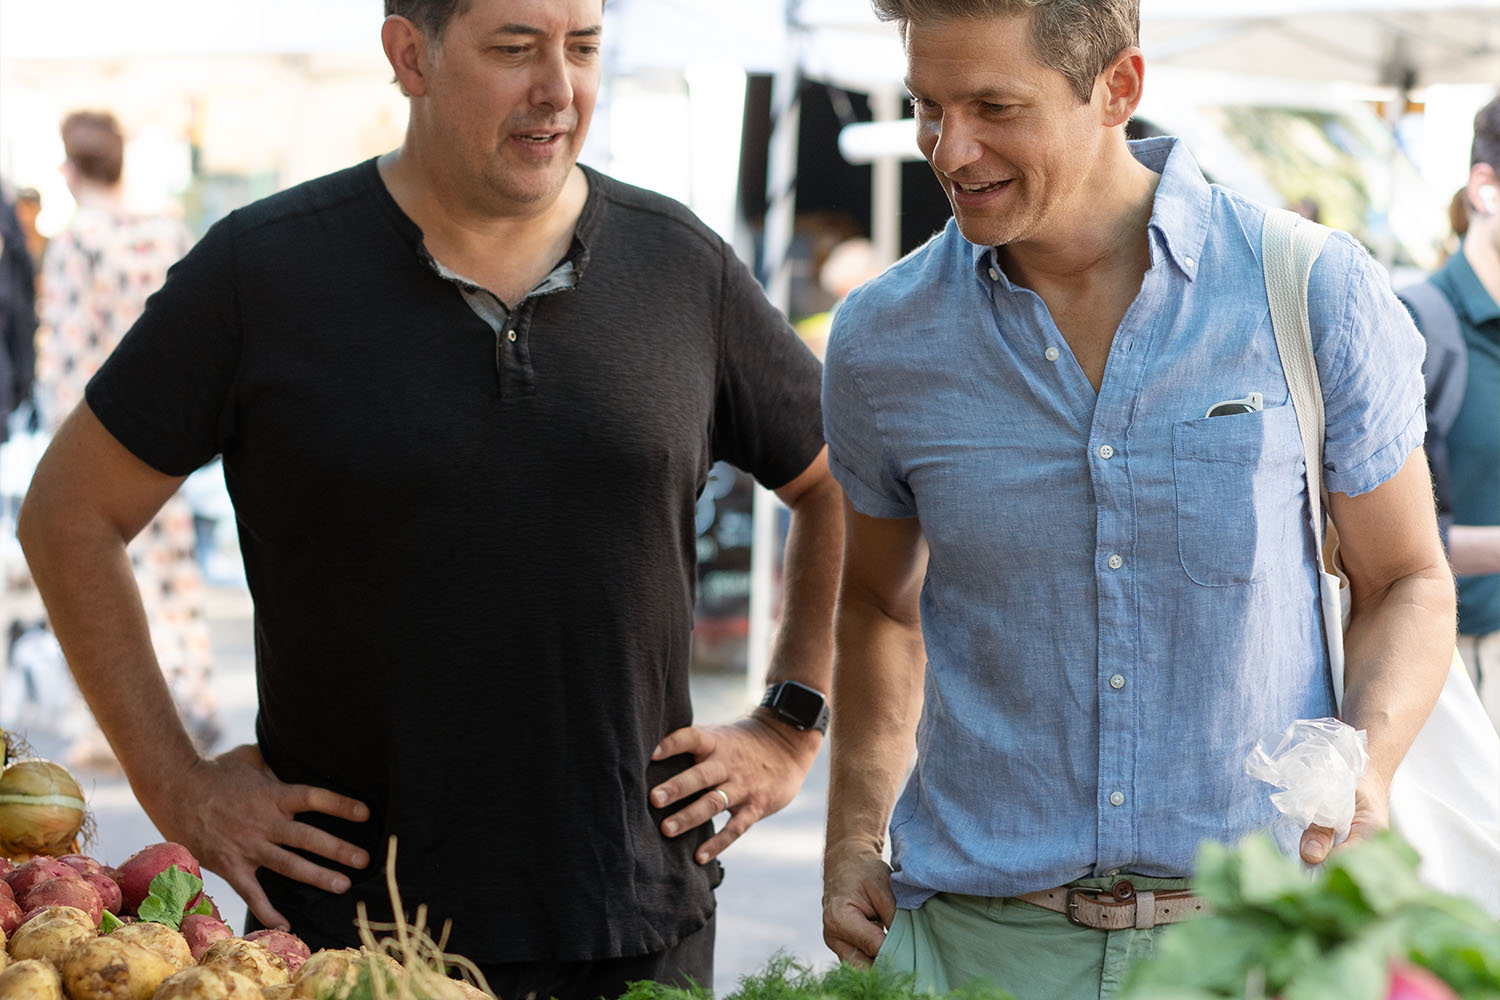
[(781, 210)]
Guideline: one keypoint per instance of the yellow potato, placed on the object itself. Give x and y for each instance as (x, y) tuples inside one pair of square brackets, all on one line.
[(248, 959), (104, 968), (31, 979), (209, 982), (159, 938), (51, 934)]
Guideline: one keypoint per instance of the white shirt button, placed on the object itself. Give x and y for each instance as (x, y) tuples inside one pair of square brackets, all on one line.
[(510, 335), (1117, 681), (1106, 452), (994, 274), (1115, 562), (1190, 262), (1117, 798), (1051, 354)]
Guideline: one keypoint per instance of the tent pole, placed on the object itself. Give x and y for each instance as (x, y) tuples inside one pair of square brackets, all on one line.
[(776, 253)]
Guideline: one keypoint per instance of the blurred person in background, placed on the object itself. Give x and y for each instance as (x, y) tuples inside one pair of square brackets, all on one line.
[(1457, 309), (28, 207), (96, 275), (466, 395), (17, 316)]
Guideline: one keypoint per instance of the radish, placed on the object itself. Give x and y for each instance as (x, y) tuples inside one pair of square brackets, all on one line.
[(1409, 982), (144, 865)]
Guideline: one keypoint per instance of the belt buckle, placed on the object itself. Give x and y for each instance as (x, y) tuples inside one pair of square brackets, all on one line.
[(1072, 906)]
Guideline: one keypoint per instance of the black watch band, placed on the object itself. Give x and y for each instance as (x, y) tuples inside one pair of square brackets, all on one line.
[(798, 705)]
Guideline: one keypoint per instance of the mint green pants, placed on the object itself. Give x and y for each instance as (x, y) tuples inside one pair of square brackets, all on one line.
[(1031, 952)]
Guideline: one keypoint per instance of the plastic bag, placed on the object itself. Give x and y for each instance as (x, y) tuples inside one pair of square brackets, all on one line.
[(1316, 764)]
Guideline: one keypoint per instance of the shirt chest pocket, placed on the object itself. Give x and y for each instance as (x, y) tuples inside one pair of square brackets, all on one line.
[(1240, 495)]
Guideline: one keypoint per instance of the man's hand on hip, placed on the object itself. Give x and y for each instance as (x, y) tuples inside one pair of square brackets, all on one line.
[(234, 816)]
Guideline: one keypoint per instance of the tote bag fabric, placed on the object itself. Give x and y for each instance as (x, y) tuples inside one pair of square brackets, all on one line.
[(1445, 797)]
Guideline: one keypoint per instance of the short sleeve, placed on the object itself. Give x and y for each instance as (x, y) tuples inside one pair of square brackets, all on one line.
[(766, 412), (1370, 360), (164, 392), (856, 451)]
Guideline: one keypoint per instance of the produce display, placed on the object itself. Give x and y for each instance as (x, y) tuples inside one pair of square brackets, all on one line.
[(73, 928), (1364, 927)]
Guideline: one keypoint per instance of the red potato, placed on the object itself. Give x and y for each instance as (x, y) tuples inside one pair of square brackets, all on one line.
[(202, 931), (292, 949), (6, 865), (73, 891), (10, 915), (144, 865), (27, 875), (5, 890), (108, 890), (81, 863)]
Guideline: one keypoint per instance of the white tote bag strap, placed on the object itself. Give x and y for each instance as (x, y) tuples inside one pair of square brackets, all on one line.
[(1289, 246), (1445, 796)]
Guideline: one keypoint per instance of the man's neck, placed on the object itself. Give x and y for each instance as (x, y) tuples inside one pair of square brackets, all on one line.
[(1106, 240), (505, 251)]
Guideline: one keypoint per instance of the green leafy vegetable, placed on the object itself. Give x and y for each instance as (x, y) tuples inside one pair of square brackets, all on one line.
[(786, 979), (172, 892), (109, 923), (1280, 931)]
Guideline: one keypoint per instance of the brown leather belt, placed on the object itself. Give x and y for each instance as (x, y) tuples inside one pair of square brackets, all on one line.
[(1120, 907)]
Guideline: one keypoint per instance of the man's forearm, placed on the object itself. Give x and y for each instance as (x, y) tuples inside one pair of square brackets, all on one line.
[(1397, 650), (803, 650), (877, 697)]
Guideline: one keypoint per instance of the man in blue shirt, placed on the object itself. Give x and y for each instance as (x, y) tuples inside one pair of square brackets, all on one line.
[(1467, 457), (1114, 593)]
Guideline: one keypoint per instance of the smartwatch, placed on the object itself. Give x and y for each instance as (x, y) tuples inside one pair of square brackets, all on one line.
[(798, 705)]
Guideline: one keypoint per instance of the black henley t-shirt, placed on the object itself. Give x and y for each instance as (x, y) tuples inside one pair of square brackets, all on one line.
[(472, 550)]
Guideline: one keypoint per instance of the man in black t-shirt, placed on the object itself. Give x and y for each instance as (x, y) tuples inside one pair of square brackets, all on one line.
[(466, 395)]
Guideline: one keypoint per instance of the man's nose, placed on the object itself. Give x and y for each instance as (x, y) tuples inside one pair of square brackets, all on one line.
[(955, 146), (551, 83)]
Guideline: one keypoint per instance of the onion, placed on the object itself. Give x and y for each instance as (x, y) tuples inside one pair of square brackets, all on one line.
[(41, 809)]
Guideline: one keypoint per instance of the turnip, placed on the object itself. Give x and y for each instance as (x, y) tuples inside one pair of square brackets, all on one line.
[(70, 891), (144, 865), (292, 949), (202, 930)]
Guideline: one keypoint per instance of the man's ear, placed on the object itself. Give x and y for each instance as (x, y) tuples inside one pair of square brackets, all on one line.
[(406, 50), (1120, 86), (1484, 189)]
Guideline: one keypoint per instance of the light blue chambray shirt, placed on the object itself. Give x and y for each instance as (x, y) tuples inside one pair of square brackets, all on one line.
[(1121, 595)]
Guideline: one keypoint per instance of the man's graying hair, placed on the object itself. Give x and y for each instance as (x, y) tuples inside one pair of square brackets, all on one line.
[(1486, 148), (1078, 38), (430, 16)]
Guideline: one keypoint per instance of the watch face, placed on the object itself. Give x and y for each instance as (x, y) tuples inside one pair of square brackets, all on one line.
[(800, 704)]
